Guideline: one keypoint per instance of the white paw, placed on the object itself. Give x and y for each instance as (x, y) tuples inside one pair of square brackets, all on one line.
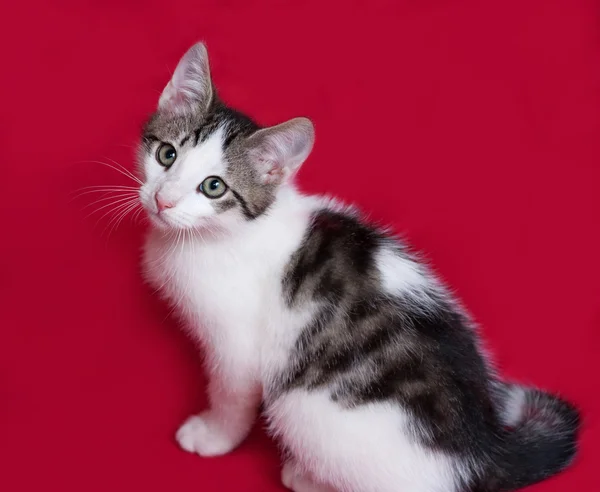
[(199, 435)]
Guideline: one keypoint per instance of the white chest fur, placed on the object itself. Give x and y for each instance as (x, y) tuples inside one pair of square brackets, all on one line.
[(228, 290)]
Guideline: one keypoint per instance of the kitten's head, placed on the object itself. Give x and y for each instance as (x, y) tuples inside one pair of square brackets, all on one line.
[(205, 165)]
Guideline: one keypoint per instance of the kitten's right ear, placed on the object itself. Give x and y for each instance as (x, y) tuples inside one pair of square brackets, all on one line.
[(278, 152), (190, 89)]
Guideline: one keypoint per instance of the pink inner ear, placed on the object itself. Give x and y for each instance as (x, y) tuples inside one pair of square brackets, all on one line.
[(171, 98), (274, 175), (271, 172), (177, 98), (180, 98)]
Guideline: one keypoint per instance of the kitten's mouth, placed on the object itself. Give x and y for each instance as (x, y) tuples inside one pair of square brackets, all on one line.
[(162, 222), (159, 219)]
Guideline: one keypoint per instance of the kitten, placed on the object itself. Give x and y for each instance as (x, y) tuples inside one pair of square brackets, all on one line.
[(370, 373)]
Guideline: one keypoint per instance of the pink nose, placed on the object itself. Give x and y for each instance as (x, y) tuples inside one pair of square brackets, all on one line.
[(162, 204)]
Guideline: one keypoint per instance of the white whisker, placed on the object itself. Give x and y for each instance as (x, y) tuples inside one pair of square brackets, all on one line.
[(170, 276), (136, 214), (119, 200), (124, 172), (99, 187), (111, 197), (118, 218), (133, 176), (105, 188), (183, 292), (115, 210)]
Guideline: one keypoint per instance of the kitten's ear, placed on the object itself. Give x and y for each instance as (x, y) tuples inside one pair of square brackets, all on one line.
[(190, 88), (279, 151)]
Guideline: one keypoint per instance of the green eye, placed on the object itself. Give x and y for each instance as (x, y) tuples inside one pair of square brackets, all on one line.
[(166, 155), (213, 187)]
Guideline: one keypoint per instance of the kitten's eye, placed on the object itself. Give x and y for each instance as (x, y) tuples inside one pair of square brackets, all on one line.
[(213, 187), (166, 155)]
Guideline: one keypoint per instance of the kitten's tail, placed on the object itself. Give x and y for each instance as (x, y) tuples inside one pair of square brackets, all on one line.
[(541, 440)]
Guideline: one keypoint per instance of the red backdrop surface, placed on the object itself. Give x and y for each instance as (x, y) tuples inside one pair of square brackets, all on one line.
[(472, 127)]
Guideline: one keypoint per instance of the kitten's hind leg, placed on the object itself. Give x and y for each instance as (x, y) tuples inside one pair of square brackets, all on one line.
[(300, 482), (368, 448)]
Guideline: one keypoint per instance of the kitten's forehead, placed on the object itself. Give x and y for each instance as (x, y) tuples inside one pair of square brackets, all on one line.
[(205, 159), (170, 127), (199, 126)]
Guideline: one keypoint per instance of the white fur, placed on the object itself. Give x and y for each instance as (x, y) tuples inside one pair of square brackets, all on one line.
[(226, 284), (399, 275), (514, 406)]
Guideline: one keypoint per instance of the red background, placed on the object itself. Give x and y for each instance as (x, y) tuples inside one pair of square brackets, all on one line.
[(471, 127)]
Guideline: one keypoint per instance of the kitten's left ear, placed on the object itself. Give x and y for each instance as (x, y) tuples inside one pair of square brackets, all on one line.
[(190, 89), (279, 151)]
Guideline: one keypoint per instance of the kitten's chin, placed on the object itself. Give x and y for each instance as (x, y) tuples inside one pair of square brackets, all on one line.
[(204, 226), (160, 221)]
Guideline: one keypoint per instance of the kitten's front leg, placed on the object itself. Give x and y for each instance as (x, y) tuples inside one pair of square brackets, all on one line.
[(234, 404)]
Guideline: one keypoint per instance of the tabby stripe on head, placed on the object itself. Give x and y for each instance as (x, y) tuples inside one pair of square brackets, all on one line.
[(197, 136), (230, 139), (147, 141), (208, 127), (247, 212), (184, 140)]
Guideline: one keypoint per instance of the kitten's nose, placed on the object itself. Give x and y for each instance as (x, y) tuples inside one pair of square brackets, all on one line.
[(162, 204)]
